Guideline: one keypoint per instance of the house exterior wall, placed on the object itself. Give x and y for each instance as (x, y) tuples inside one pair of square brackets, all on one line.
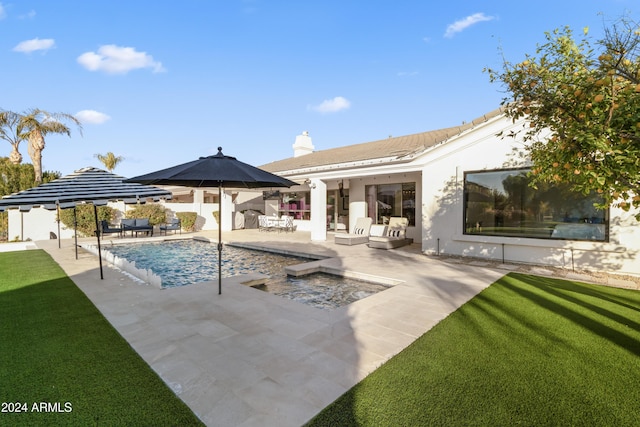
[(442, 211)]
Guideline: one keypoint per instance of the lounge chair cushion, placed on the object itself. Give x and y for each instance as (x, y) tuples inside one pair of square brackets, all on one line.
[(128, 223), (396, 232), (394, 237), (359, 235)]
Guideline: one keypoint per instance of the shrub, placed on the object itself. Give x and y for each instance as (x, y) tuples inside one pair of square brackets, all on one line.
[(216, 216), (154, 211), (85, 217), (188, 220), (4, 225)]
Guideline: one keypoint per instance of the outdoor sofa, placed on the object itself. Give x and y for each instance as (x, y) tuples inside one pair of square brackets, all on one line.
[(359, 234), (395, 235), (174, 224), (136, 225)]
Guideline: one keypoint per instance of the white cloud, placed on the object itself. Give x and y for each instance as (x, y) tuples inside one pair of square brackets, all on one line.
[(29, 46), (332, 105), (465, 23), (3, 12), (29, 15), (114, 59), (92, 117), (407, 73)]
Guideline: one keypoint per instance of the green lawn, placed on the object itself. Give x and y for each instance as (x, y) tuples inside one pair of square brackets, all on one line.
[(526, 351), (58, 351)]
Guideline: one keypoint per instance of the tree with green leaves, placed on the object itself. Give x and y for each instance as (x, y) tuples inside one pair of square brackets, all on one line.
[(587, 95), (9, 132), (84, 217), (109, 160), (15, 178), (33, 126)]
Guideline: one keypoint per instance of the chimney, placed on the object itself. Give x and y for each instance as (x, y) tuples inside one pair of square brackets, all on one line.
[(303, 145)]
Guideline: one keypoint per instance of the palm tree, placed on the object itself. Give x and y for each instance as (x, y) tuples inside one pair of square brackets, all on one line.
[(34, 125), (109, 160), (8, 131)]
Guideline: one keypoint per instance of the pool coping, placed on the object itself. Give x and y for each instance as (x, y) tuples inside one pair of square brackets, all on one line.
[(320, 264)]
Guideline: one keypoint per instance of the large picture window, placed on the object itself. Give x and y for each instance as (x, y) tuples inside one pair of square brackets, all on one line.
[(502, 203), (387, 200)]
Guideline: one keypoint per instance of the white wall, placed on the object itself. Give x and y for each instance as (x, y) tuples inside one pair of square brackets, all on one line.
[(205, 219), (38, 223), (442, 215)]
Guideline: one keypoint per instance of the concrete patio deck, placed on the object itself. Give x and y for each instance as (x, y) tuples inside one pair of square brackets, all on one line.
[(249, 358)]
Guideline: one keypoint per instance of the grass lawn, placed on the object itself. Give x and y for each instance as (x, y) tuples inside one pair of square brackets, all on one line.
[(526, 351), (59, 355)]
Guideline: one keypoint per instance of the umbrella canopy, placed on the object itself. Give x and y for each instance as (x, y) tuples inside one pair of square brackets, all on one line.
[(87, 185), (214, 171)]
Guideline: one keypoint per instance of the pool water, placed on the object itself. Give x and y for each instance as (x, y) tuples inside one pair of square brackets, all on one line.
[(322, 290), (183, 262)]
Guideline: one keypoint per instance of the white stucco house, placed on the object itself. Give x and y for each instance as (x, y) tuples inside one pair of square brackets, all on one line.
[(464, 190)]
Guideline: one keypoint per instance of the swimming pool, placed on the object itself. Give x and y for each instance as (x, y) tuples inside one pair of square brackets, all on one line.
[(183, 262)]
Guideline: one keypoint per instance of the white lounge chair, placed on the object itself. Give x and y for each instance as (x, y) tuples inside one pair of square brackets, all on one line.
[(395, 236), (359, 234)]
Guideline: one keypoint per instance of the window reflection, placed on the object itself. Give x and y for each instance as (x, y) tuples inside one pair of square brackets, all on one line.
[(503, 203), (387, 200)]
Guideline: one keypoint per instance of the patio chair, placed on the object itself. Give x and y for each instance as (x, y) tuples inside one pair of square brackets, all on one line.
[(359, 234), (395, 236), (286, 223), (105, 228), (263, 224), (174, 224)]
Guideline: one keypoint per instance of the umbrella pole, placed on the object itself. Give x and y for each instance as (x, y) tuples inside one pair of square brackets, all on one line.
[(219, 238), (75, 229), (95, 214), (59, 226)]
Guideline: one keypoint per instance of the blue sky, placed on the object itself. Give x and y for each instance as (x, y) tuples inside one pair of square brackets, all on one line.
[(165, 82)]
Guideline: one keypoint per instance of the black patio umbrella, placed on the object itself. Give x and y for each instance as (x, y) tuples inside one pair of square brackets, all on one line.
[(214, 171), (87, 185)]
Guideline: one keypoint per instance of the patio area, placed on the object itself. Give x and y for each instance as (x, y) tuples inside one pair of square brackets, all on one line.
[(250, 358)]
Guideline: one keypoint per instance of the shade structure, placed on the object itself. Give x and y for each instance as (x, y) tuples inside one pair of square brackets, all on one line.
[(214, 171), (87, 185)]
